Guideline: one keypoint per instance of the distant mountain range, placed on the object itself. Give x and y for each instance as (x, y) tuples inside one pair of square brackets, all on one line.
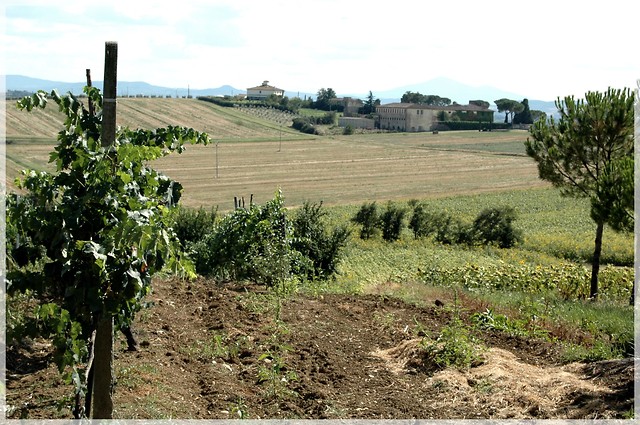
[(441, 86), (125, 88)]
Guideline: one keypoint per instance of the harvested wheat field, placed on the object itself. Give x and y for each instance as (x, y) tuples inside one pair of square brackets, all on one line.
[(255, 156)]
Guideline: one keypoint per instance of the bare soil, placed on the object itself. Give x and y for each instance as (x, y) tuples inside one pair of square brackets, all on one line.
[(216, 351)]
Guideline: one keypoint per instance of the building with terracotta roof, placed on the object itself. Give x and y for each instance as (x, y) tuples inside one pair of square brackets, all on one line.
[(263, 91), (414, 117)]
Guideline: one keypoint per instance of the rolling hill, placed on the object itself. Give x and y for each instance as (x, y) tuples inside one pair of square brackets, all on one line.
[(152, 113), (441, 86)]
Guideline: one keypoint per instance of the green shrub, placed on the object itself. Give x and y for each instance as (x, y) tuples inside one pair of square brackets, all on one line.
[(495, 225), (304, 125), (423, 223), (451, 230), (250, 244), (348, 130), (327, 119), (369, 218), (192, 225), (316, 243), (455, 347), (392, 222)]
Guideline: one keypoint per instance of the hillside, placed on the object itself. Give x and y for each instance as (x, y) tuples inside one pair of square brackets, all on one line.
[(151, 113), (256, 156)]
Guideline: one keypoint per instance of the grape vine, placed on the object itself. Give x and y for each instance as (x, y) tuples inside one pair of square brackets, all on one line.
[(86, 240)]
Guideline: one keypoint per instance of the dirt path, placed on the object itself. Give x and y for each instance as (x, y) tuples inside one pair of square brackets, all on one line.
[(216, 352)]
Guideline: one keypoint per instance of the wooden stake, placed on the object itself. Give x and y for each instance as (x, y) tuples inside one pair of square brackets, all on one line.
[(103, 346)]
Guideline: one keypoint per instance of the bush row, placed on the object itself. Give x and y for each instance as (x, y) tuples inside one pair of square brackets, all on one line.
[(493, 226), (470, 125), (230, 103), (307, 124)]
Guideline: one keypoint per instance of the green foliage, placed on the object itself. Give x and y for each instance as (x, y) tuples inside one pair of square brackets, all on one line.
[(329, 118), (369, 104), (250, 244), (305, 125), (275, 102), (613, 201), (488, 320), (480, 125), (218, 346), (509, 107), (348, 130), (581, 153), (392, 222), (324, 98), (89, 238), (422, 99), (568, 280), (480, 103), (524, 116), (574, 152), (191, 225), (495, 225), (312, 239), (262, 244), (369, 218), (423, 222), (455, 347), (452, 230), (598, 351), (275, 373)]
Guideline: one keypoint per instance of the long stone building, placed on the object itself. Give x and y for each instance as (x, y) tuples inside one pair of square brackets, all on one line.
[(413, 117)]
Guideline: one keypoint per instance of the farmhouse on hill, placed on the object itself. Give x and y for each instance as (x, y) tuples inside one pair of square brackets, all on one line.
[(263, 91), (413, 117)]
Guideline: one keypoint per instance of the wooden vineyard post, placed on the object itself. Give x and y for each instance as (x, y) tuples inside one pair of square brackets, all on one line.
[(103, 346)]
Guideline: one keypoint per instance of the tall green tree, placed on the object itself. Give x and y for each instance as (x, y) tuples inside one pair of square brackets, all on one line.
[(537, 114), (524, 116), (411, 97), (425, 99), (588, 152), (370, 104), (481, 103), (323, 100), (435, 100), (509, 107)]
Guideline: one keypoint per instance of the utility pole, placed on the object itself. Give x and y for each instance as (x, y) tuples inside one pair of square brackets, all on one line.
[(103, 347), (216, 159)]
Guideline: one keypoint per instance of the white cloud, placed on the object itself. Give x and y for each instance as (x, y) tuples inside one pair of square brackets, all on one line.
[(542, 49)]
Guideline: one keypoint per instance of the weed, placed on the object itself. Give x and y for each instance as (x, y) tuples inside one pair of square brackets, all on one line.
[(598, 351), (239, 409), (134, 376), (439, 385), (482, 385), (219, 346), (275, 374), (385, 321), (455, 346)]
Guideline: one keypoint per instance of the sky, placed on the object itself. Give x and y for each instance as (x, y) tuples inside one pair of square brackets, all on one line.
[(540, 49)]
